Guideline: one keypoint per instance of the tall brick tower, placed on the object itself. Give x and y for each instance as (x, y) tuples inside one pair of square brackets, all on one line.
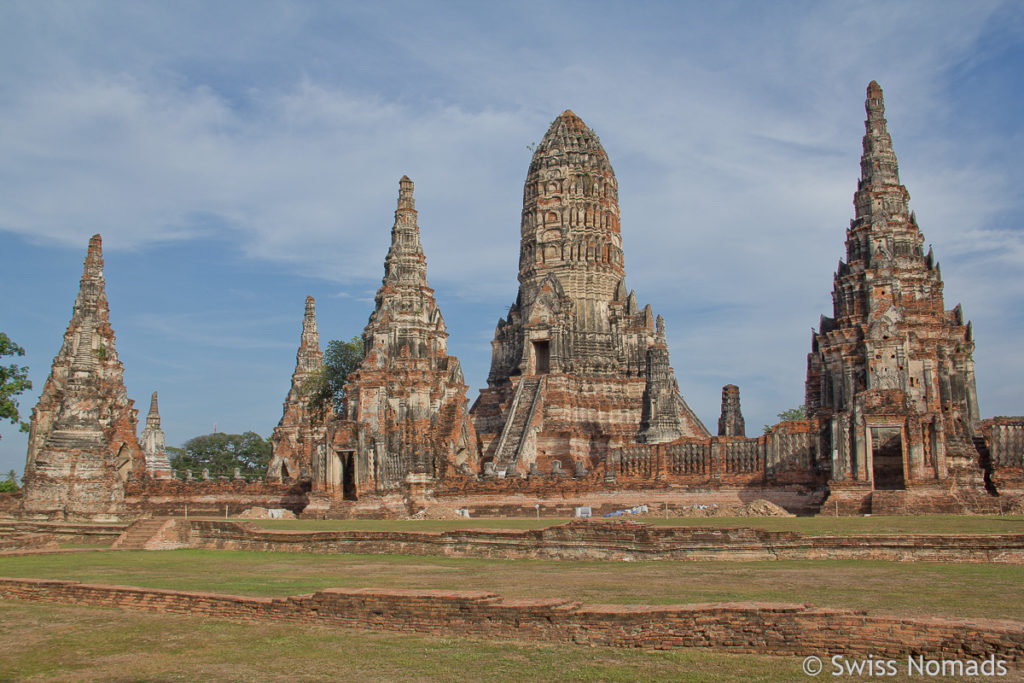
[(577, 367), (891, 375), (407, 417), (298, 435), (82, 444)]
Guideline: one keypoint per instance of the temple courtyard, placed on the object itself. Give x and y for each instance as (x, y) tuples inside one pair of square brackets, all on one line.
[(43, 640)]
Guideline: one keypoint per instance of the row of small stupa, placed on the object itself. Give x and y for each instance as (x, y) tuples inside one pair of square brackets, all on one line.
[(578, 367)]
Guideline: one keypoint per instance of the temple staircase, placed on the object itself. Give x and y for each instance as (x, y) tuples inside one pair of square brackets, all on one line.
[(521, 413), (139, 534), (888, 502)]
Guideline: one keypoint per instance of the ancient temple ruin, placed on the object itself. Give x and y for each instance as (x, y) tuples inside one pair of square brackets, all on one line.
[(890, 375), (82, 444), (406, 421), (300, 433), (153, 442), (581, 397), (577, 366)]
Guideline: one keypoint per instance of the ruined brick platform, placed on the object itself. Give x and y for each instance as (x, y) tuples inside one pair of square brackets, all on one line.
[(608, 540), (749, 627)]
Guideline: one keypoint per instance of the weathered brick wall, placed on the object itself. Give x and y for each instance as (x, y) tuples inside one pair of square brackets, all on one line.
[(787, 455), (210, 497), (766, 628), (65, 532), (1004, 437), (931, 499), (582, 540)]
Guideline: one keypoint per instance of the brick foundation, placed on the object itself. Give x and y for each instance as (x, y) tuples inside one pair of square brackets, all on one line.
[(601, 540), (764, 628)]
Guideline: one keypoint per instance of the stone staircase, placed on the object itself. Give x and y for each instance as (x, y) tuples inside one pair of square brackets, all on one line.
[(524, 405), (888, 502), (139, 534)]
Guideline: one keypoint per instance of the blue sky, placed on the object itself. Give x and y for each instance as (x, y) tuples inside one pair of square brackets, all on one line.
[(237, 156)]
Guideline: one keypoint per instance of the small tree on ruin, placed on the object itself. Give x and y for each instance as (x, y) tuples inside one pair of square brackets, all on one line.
[(13, 381), (327, 387)]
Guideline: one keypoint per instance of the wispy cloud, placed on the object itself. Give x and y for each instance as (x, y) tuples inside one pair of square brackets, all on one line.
[(734, 129)]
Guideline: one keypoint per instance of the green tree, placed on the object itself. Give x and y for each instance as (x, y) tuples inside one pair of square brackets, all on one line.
[(798, 413), (221, 453), (327, 387), (13, 381), (10, 484)]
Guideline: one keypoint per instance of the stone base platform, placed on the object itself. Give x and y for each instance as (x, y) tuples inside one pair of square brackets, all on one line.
[(919, 500), (765, 628), (608, 540)]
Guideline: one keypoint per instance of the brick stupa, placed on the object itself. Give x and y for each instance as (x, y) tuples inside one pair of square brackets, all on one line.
[(891, 374), (407, 420), (299, 434), (82, 444), (577, 366), (154, 443)]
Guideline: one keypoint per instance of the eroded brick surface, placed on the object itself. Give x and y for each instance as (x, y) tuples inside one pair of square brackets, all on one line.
[(890, 375), (577, 366), (407, 422), (82, 444), (767, 628), (299, 436)]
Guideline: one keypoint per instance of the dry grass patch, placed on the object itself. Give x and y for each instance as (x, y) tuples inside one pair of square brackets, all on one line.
[(58, 643), (902, 588)]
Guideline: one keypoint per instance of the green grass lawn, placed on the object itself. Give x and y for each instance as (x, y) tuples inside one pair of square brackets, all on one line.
[(60, 643), (903, 588), (920, 524)]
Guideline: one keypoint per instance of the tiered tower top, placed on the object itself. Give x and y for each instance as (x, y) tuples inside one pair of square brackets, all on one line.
[(570, 221), (407, 321), (309, 358)]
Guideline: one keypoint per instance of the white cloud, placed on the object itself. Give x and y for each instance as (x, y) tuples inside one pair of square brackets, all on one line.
[(734, 130)]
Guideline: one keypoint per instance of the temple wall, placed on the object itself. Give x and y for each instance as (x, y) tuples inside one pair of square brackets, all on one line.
[(788, 455), (210, 497)]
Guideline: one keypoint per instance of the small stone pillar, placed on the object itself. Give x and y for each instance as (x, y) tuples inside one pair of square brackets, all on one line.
[(206, 474), (731, 421)]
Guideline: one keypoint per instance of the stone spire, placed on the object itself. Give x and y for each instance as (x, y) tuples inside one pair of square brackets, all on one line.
[(878, 163), (405, 263), (406, 407), (153, 443), (731, 421), (295, 439), (82, 443), (406, 314), (153, 418), (309, 358), (890, 345)]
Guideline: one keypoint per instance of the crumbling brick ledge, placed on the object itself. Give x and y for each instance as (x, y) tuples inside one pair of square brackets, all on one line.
[(607, 540), (749, 627)]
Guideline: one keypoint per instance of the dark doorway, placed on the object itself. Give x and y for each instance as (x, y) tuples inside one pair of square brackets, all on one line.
[(887, 458), (542, 357), (348, 475)]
